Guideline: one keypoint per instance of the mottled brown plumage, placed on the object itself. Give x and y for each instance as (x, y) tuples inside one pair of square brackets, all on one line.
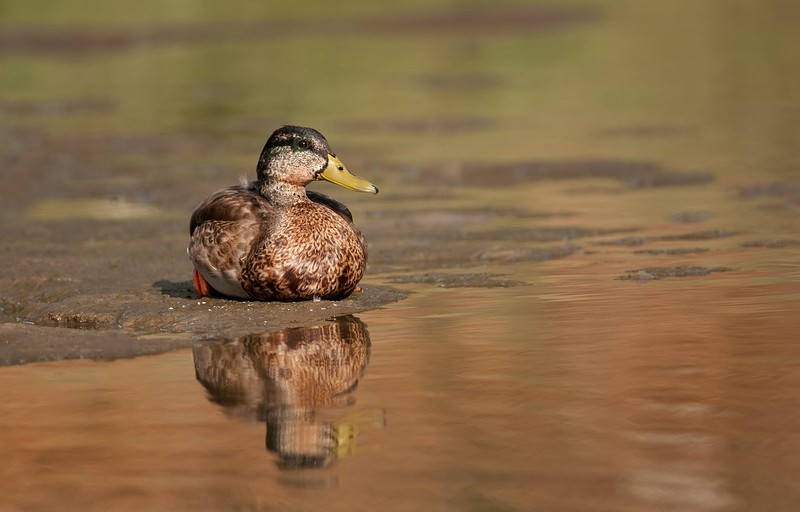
[(273, 240)]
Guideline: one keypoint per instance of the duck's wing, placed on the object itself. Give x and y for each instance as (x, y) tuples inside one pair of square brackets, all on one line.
[(238, 203), (223, 228), (243, 202)]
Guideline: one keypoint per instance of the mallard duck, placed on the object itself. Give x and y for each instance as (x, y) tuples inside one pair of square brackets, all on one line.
[(270, 239)]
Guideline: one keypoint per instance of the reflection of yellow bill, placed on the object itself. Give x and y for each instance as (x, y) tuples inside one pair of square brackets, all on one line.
[(344, 434), (344, 439)]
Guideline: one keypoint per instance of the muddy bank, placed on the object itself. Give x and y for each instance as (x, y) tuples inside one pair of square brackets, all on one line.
[(173, 308), (102, 253), (90, 280), (25, 343), (94, 326)]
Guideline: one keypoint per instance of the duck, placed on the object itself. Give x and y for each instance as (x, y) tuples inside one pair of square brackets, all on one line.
[(273, 240)]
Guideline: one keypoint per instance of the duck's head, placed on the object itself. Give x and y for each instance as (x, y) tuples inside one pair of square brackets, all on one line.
[(297, 155)]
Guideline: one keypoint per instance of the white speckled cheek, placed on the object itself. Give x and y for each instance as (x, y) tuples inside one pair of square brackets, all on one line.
[(313, 160), (280, 158), (303, 165)]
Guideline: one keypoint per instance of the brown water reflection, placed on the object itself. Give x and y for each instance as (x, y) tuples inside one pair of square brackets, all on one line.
[(283, 378), (585, 394), (577, 392)]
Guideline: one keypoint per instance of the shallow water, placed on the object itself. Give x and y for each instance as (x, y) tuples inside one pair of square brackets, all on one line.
[(583, 284)]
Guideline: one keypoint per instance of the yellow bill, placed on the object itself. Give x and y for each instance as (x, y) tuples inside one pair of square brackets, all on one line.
[(337, 173)]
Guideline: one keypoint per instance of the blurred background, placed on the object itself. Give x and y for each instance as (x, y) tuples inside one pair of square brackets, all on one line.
[(193, 84)]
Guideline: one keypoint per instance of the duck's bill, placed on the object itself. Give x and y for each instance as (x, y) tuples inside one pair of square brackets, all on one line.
[(337, 173)]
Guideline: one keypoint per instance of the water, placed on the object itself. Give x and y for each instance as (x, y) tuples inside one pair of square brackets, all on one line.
[(583, 284)]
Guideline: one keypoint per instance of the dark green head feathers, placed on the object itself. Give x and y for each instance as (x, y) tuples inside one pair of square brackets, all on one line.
[(296, 139)]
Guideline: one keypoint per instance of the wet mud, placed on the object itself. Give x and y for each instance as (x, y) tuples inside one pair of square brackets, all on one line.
[(787, 194), (672, 252), (778, 243), (481, 280), (655, 273), (692, 236), (117, 264), (26, 343)]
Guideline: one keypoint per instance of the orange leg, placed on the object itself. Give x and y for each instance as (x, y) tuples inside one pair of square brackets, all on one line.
[(201, 286)]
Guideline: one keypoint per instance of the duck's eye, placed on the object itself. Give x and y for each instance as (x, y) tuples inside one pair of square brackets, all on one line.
[(303, 144)]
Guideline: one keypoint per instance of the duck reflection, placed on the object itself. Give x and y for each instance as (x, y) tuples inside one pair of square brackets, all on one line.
[(284, 378)]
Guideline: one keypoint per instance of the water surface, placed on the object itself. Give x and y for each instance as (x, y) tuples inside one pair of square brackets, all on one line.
[(583, 284)]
